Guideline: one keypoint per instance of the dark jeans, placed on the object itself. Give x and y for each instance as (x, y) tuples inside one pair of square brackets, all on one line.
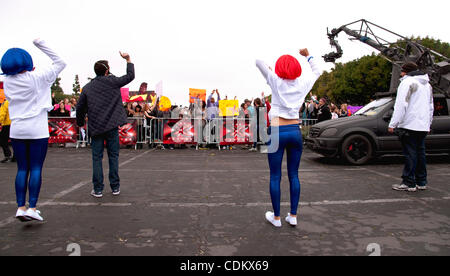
[(415, 170), (4, 141), (112, 146)]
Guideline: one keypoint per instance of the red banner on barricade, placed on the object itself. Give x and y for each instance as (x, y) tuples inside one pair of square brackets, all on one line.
[(235, 132), (128, 133), (62, 130), (178, 131)]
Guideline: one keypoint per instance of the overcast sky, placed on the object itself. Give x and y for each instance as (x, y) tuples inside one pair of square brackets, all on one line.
[(203, 44)]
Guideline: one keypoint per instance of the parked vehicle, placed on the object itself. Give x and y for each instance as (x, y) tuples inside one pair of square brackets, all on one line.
[(359, 138)]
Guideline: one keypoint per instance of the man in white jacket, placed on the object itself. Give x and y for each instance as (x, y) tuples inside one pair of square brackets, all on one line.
[(412, 118)]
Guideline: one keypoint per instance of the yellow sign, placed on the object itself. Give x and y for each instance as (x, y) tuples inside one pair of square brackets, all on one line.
[(228, 108), (197, 94)]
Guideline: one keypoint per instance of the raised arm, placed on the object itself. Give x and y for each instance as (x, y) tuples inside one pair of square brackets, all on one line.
[(315, 68), (263, 68), (129, 77), (49, 76)]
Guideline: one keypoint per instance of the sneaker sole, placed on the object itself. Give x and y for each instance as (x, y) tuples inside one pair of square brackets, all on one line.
[(97, 196), (31, 218), (116, 194), (23, 219)]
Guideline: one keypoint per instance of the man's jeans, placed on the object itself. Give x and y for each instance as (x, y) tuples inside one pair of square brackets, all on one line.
[(112, 145), (415, 170)]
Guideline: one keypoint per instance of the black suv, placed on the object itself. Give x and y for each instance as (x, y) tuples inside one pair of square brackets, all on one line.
[(359, 138)]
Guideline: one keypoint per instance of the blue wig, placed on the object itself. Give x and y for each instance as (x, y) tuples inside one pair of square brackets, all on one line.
[(16, 60)]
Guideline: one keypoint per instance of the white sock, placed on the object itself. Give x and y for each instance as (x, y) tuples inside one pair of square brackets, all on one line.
[(271, 218)]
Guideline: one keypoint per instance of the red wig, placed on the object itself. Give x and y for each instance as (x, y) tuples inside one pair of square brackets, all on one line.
[(288, 67)]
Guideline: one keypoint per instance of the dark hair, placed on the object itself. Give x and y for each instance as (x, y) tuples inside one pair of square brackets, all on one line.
[(257, 101), (142, 85), (100, 67), (409, 67)]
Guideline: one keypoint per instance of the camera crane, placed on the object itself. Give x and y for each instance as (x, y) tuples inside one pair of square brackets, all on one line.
[(396, 53)]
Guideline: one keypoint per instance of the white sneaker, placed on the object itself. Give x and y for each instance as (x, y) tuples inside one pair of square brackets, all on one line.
[(20, 215), (403, 187), (291, 220), (271, 218), (34, 215)]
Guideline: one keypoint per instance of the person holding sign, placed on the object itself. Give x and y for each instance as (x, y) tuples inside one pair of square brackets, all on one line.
[(288, 94), (212, 107)]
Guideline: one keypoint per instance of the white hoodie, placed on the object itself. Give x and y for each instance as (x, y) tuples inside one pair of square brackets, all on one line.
[(414, 105), (30, 99)]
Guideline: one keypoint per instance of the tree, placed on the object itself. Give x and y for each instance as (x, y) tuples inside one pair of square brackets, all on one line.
[(76, 86), (57, 90)]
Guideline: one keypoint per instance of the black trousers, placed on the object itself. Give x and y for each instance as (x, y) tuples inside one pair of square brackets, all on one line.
[(4, 137)]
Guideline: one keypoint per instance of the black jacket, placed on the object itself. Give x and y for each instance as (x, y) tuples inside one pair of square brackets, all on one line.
[(101, 100), (323, 113)]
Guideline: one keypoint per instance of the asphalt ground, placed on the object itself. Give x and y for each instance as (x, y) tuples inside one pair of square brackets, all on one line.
[(185, 202)]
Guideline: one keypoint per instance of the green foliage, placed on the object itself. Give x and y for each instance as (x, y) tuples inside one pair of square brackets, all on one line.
[(57, 90), (436, 45), (76, 87)]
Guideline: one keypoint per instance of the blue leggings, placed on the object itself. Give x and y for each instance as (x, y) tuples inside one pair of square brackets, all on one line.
[(289, 138), (30, 155)]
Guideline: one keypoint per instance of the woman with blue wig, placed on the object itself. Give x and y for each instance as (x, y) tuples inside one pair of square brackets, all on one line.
[(29, 96)]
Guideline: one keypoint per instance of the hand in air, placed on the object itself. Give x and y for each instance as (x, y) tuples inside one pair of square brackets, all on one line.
[(125, 56), (304, 52)]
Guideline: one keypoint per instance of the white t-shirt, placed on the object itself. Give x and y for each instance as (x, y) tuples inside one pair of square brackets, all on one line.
[(29, 97), (288, 95)]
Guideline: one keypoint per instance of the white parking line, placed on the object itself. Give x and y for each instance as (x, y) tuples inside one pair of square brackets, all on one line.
[(234, 204), (71, 189)]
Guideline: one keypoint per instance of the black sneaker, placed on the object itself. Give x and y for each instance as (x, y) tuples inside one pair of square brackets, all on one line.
[(116, 192), (96, 194)]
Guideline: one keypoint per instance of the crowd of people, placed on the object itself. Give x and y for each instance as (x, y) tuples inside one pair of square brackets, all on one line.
[(321, 111), (64, 108)]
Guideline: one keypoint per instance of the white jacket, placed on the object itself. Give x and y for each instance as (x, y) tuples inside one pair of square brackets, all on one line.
[(30, 99), (414, 105)]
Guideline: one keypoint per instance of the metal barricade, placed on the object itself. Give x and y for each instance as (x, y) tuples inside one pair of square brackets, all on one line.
[(139, 124), (306, 126)]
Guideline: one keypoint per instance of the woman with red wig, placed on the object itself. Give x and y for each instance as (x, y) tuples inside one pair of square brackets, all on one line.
[(29, 96), (288, 94)]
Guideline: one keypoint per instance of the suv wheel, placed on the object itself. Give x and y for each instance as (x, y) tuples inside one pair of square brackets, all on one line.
[(357, 149)]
